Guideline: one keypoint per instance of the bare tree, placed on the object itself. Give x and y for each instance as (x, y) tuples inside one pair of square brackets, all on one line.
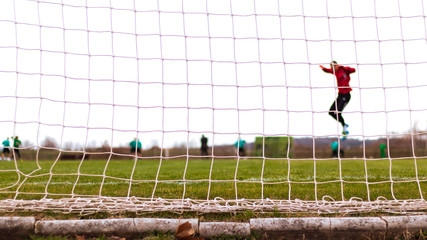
[(69, 145), (105, 146), (27, 143), (49, 142)]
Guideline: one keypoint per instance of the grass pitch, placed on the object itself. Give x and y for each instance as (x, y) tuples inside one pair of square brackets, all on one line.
[(229, 179)]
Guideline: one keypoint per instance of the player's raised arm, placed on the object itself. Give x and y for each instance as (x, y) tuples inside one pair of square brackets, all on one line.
[(326, 70)]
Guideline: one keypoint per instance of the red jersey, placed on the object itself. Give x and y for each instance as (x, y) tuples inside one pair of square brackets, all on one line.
[(343, 78)]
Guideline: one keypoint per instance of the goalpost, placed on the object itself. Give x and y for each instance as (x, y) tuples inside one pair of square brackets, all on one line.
[(82, 79)]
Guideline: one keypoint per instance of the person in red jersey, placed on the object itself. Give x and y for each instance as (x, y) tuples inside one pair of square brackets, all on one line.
[(342, 74)]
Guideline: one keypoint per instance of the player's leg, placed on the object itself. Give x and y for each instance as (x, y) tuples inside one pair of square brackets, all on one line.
[(338, 106), (17, 154), (333, 109), (341, 153), (243, 152), (342, 101), (334, 154)]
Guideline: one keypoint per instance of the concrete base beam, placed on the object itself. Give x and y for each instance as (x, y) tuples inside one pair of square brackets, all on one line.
[(264, 228), (17, 226), (210, 229), (125, 226)]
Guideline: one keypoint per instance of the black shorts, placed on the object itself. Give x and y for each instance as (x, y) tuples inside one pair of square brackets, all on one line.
[(137, 150), (6, 150)]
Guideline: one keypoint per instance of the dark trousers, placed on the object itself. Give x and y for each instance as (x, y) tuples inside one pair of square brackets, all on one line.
[(338, 106), (242, 152), (17, 153), (204, 151), (335, 153)]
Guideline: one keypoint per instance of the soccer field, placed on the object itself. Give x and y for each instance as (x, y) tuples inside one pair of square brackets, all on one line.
[(280, 179)]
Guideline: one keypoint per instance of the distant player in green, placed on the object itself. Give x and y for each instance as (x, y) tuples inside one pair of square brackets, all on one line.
[(16, 145), (135, 146), (6, 150), (240, 145), (204, 145), (383, 148), (335, 149)]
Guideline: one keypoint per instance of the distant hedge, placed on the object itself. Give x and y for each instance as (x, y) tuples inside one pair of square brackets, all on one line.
[(275, 147)]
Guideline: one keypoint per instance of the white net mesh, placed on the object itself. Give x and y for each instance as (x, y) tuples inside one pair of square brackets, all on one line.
[(83, 83)]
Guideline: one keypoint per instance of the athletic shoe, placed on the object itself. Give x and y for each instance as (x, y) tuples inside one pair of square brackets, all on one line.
[(345, 128), (344, 135)]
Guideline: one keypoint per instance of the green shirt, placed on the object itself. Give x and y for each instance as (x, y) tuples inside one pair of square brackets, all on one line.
[(240, 144), (134, 144), (16, 143), (334, 146), (6, 143)]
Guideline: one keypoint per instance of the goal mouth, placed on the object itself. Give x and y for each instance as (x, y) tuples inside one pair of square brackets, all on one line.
[(213, 106), (136, 205)]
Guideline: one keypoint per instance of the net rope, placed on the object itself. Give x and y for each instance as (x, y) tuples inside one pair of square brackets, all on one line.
[(42, 185)]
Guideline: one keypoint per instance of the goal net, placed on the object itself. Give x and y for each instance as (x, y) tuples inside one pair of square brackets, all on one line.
[(213, 106)]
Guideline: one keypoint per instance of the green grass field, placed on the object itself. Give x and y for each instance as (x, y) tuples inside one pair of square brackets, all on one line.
[(31, 182)]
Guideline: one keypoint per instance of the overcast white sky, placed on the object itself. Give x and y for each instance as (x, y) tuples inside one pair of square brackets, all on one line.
[(167, 71)]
